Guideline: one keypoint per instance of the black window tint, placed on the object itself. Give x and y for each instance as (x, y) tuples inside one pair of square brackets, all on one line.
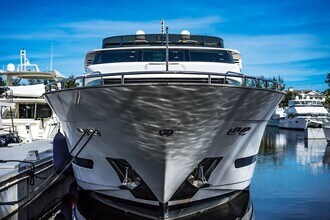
[(116, 56), (44, 111), (176, 55), (26, 110), (29, 111), (153, 55), (210, 56), (160, 55)]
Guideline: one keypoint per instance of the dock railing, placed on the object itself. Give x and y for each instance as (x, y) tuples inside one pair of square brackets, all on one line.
[(228, 78)]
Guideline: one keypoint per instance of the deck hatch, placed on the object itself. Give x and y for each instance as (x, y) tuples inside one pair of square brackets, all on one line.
[(83, 162)]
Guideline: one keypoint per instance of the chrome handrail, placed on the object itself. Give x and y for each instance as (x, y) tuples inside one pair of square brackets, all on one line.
[(255, 82)]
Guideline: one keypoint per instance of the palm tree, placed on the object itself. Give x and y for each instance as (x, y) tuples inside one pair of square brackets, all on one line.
[(327, 80), (327, 92), (71, 83)]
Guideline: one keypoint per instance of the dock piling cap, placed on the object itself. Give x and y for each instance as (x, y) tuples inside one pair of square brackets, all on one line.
[(32, 155)]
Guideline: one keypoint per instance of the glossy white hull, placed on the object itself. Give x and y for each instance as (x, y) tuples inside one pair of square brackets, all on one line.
[(326, 130), (293, 123), (130, 119)]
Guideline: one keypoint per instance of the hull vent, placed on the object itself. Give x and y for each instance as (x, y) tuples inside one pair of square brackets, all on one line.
[(245, 161), (83, 162)]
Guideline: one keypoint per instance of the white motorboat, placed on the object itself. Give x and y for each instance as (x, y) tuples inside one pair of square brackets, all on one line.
[(276, 117), (304, 113), (326, 130), (166, 121), (29, 114)]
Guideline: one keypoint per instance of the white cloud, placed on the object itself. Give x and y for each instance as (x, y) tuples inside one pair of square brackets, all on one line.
[(113, 27), (276, 49), (103, 28)]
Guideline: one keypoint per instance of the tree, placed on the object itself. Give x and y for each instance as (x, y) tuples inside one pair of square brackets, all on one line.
[(327, 98), (327, 80), (288, 96), (71, 83), (279, 80), (34, 81)]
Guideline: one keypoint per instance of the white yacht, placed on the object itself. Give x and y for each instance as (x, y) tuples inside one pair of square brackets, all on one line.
[(304, 113), (163, 122), (29, 114), (326, 130), (278, 114)]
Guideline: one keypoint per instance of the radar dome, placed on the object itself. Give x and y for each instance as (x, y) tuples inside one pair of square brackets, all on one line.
[(185, 32), (10, 67), (140, 32), (140, 35)]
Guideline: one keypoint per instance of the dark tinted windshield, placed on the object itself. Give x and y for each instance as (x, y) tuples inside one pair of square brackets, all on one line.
[(116, 56), (210, 56), (159, 55)]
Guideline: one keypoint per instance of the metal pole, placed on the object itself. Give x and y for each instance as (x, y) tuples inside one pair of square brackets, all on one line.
[(11, 118), (167, 54)]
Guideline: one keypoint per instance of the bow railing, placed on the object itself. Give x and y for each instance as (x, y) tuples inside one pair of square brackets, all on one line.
[(100, 79)]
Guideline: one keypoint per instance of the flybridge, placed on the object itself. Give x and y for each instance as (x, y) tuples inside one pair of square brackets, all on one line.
[(160, 40)]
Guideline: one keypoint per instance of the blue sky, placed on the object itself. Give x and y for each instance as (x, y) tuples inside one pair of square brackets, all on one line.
[(286, 38)]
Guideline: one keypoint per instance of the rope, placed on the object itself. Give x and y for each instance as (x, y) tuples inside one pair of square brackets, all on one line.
[(52, 178)]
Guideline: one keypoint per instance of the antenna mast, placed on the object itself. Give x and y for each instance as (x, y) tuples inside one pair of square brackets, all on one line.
[(51, 58), (163, 25), (167, 54)]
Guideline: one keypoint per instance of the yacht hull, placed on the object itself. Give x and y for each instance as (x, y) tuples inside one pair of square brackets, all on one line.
[(326, 130), (293, 123), (166, 136)]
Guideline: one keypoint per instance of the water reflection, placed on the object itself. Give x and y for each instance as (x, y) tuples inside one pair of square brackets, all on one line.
[(292, 177), (326, 157), (277, 142)]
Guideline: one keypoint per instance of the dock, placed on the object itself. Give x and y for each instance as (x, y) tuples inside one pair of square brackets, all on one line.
[(29, 187)]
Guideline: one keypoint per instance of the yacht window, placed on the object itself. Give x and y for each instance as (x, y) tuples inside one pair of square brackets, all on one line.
[(176, 55), (116, 56), (26, 110), (29, 111), (43, 111), (160, 55), (210, 56), (153, 55)]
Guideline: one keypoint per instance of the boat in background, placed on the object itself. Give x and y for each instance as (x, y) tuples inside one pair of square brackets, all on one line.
[(8, 135), (276, 117), (163, 122), (304, 113), (326, 130), (29, 114)]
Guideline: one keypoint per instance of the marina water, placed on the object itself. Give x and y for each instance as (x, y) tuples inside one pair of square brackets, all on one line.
[(292, 177)]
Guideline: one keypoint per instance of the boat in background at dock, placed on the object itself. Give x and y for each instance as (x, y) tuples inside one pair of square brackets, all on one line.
[(304, 113), (29, 114), (26, 167), (326, 130), (276, 117)]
